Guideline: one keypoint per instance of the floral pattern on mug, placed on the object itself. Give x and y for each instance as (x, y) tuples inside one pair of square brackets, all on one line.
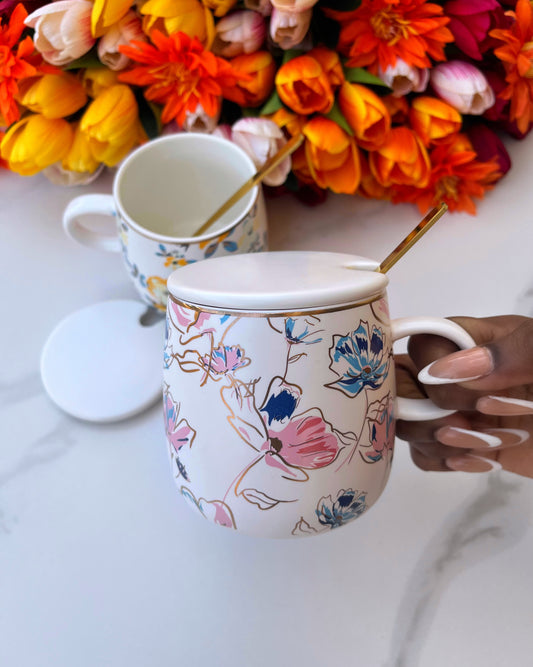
[(179, 433), (333, 512), (214, 510), (359, 359), (381, 426)]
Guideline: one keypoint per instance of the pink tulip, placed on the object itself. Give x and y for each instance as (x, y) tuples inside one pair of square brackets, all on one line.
[(223, 131), (404, 78), (129, 27), (239, 32), (199, 121), (261, 138), (463, 86), (288, 29), (470, 22), (62, 30)]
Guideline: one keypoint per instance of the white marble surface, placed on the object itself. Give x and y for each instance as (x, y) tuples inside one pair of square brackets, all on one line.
[(102, 564)]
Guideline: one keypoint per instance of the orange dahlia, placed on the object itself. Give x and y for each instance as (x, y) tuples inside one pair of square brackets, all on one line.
[(457, 177), (14, 63), (380, 31), (517, 57), (179, 74)]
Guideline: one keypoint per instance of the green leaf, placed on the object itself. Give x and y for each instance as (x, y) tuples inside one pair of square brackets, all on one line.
[(272, 105), (337, 117), (148, 115), (89, 59), (360, 75)]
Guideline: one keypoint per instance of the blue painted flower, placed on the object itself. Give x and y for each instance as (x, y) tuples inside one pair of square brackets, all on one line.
[(302, 330), (348, 505), (359, 359)]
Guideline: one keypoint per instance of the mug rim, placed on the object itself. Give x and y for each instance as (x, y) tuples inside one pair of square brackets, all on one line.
[(181, 240), (333, 308)]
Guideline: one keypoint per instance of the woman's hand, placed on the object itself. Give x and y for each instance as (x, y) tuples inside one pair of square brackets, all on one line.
[(490, 387)]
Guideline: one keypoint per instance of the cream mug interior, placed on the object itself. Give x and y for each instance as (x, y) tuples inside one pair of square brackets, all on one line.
[(171, 185)]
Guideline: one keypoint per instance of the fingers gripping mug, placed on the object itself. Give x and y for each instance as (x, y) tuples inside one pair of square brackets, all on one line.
[(162, 193), (279, 391)]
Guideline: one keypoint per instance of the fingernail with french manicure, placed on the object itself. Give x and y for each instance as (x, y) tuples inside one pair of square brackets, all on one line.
[(458, 367), (503, 406), (462, 437), (472, 463)]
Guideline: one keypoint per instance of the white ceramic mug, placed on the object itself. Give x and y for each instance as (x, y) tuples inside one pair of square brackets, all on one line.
[(162, 193), (279, 389)]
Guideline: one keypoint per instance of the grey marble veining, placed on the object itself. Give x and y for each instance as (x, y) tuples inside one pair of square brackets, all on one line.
[(486, 525)]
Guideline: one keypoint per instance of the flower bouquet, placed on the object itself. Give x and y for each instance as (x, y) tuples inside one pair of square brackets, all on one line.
[(401, 100)]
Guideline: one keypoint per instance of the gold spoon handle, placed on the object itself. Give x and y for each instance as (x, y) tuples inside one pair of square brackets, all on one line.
[(269, 165), (423, 226)]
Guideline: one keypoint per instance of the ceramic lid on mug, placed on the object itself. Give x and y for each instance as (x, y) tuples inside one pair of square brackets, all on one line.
[(271, 281)]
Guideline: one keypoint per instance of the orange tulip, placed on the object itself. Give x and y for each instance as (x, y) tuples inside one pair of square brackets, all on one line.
[(253, 91), (292, 122), (304, 87), (366, 114), (332, 156), (188, 16), (402, 160), (369, 186), (433, 119), (398, 108), (331, 64), (300, 166)]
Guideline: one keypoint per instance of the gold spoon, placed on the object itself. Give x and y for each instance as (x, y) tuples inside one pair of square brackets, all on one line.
[(408, 242), (269, 165)]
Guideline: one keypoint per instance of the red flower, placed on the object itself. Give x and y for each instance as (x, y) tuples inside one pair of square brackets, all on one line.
[(380, 31), (488, 145), (180, 74), (14, 63), (457, 177), (517, 57), (470, 22)]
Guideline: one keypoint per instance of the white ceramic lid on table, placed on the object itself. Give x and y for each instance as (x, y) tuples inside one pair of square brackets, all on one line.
[(271, 281)]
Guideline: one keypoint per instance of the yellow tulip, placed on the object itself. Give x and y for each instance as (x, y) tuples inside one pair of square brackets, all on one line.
[(80, 158), (220, 7), (52, 95), (188, 16), (98, 79), (107, 12), (111, 125), (35, 142)]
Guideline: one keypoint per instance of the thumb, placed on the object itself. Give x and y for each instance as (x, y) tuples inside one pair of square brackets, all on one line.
[(499, 364)]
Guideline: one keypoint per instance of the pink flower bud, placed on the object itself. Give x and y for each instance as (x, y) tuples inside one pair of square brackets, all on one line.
[(62, 30), (239, 32), (288, 29), (129, 27), (404, 78), (199, 121), (261, 139), (223, 131), (463, 86)]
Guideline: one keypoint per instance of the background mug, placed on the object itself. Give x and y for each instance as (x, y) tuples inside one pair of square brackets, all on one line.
[(162, 193), (279, 390)]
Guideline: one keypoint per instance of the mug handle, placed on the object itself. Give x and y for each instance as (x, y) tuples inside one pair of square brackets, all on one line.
[(96, 205), (417, 409)]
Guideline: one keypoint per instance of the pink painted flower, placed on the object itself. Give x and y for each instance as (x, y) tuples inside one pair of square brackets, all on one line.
[(62, 30), (214, 510), (224, 359), (179, 433), (382, 431), (191, 322)]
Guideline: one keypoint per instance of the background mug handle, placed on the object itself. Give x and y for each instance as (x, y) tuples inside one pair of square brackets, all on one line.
[(92, 204), (414, 409)]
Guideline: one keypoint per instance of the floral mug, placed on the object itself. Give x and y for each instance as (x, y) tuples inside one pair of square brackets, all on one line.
[(279, 390), (162, 193)]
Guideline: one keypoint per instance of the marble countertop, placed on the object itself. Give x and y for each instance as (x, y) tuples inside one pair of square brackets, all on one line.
[(103, 564)]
